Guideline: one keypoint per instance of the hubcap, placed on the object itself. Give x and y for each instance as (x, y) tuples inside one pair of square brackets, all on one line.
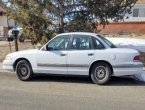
[(100, 72), (23, 70)]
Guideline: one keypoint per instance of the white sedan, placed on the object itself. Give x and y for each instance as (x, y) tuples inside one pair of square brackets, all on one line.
[(77, 53)]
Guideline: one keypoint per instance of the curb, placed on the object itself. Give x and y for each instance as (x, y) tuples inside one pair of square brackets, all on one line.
[(2, 70), (5, 71)]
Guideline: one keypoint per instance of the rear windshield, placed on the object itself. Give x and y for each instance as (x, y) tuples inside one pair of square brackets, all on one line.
[(110, 44)]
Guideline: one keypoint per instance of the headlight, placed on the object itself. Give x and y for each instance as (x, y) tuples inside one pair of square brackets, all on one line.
[(8, 58)]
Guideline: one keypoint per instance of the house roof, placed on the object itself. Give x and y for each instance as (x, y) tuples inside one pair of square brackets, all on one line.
[(141, 2)]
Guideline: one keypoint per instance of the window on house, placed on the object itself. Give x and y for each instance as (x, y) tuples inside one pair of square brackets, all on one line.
[(142, 12), (136, 12), (139, 12)]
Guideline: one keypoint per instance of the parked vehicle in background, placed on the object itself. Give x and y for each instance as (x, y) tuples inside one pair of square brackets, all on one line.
[(20, 35), (77, 53)]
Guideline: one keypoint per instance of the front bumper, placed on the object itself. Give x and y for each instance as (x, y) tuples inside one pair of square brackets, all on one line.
[(128, 69), (7, 65)]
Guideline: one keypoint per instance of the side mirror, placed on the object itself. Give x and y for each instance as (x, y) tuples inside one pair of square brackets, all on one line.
[(49, 48)]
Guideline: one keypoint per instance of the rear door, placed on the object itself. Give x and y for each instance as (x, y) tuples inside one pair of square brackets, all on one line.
[(80, 55)]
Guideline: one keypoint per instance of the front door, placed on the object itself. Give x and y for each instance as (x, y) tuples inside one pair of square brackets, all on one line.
[(53, 58), (80, 55)]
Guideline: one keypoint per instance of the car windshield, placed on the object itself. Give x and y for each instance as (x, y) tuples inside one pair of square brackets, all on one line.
[(110, 44)]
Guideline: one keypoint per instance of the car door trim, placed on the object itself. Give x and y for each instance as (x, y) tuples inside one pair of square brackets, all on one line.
[(61, 65), (128, 66)]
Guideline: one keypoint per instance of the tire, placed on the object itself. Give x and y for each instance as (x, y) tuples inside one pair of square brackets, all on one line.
[(101, 73), (24, 70)]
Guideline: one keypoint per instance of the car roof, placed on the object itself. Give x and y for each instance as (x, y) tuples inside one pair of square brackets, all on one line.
[(81, 33)]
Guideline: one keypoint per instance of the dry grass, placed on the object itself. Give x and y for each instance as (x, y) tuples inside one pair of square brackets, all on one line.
[(4, 49)]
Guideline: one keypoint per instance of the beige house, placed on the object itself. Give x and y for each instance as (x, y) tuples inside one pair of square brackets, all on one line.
[(5, 23)]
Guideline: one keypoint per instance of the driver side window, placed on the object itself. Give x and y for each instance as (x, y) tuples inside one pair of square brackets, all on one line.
[(59, 43)]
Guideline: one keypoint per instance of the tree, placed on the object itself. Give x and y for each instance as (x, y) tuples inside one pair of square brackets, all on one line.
[(103, 10), (86, 15), (78, 17), (32, 17), (37, 16), (80, 22)]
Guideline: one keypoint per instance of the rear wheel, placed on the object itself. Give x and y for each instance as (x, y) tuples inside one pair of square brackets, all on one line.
[(24, 70), (101, 73)]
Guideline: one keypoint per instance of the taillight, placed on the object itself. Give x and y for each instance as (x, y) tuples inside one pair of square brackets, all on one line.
[(136, 58)]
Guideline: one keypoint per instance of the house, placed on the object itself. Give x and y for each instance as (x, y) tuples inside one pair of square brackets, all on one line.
[(5, 23), (134, 24)]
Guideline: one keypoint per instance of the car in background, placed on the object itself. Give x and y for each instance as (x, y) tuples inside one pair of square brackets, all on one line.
[(76, 53), (20, 35)]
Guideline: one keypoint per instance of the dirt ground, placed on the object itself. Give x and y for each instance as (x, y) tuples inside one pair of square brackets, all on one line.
[(5, 48)]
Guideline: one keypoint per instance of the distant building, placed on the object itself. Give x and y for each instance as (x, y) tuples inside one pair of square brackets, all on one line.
[(5, 23), (134, 24)]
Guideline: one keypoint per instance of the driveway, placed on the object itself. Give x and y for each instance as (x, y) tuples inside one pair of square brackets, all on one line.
[(70, 93)]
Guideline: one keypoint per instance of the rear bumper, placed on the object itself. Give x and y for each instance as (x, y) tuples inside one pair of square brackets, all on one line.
[(7, 65), (128, 69)]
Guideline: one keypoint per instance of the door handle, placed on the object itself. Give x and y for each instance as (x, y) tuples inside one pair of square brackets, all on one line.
[(62, 54), (90, 54)]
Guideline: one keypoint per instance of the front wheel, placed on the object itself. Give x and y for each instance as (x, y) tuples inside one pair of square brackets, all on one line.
[(101, 73), (24, 70)]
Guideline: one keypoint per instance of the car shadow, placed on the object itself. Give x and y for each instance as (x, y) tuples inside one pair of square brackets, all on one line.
[(62, 78), (114, 81), (125, 81)]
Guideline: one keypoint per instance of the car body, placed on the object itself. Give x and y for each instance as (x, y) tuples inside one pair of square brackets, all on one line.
[(76, 53)]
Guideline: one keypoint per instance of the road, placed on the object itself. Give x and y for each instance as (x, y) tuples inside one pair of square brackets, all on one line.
[(70, 93)]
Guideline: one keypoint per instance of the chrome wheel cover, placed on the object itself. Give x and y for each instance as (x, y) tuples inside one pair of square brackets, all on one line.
[(100, 72)]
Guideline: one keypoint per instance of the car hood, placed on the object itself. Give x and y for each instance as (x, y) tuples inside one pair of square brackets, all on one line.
[(23, 52)]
